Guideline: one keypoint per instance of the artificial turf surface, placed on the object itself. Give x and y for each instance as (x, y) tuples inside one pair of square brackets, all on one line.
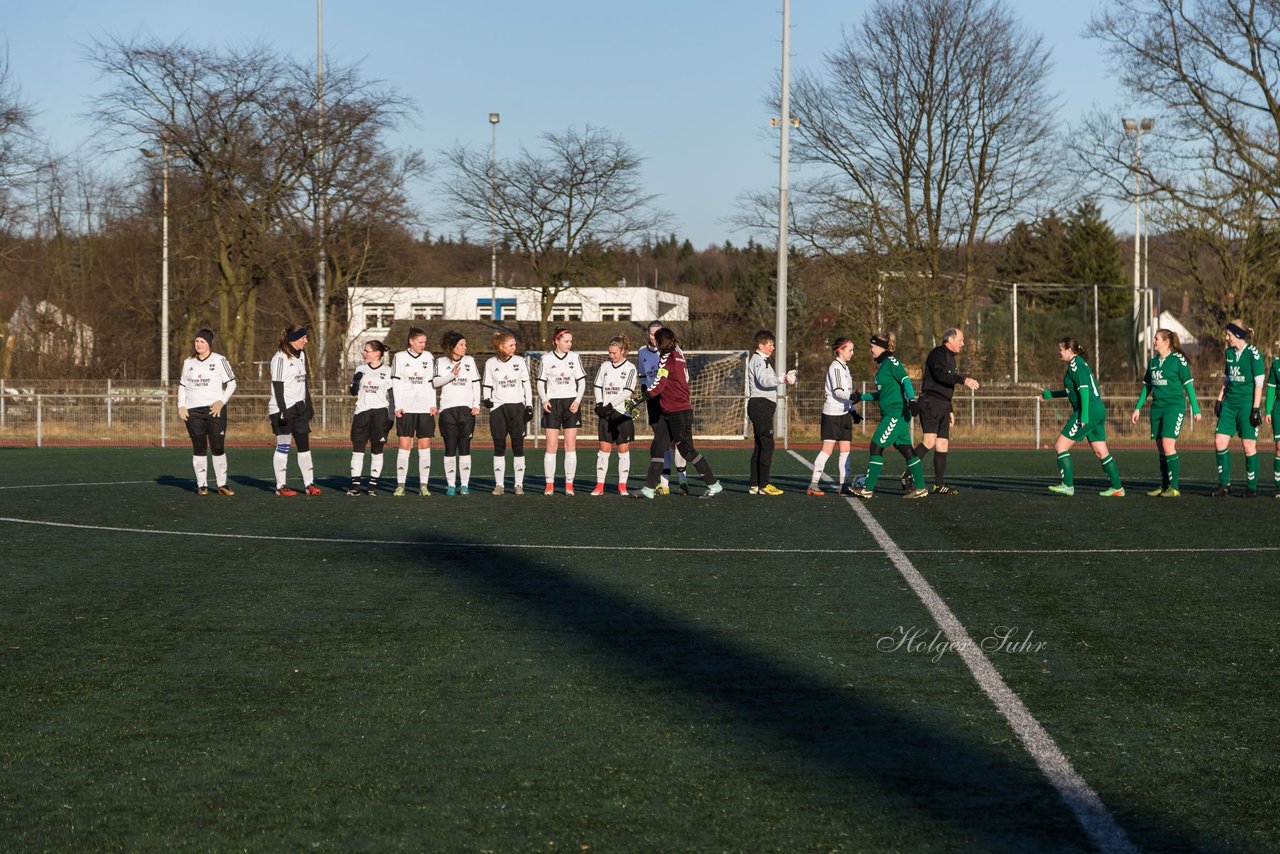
[(443, 674)]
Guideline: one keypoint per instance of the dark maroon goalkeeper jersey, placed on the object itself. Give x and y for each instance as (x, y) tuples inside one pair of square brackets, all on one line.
[(672, 390)]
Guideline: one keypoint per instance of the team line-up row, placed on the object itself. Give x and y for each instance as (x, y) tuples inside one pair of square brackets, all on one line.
[(419, 393)]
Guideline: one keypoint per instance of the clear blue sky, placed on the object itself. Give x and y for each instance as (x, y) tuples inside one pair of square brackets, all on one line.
[(683, 81)]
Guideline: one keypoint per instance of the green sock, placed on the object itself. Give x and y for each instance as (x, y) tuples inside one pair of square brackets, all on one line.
[(1224, 467), (917, 472), (1275, 470), (1164, 469), (873, 471), (1065, 469), (1113, 471), (1251, 473), (1175, 465)]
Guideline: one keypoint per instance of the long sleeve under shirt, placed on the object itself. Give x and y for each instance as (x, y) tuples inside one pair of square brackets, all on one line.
[(204, 381), (837, 391)]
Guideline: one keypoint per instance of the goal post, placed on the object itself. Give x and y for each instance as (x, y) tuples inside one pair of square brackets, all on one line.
[(717, 392)]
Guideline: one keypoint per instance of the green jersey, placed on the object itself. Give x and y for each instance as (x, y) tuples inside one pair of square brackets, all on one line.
[(1273, 382), (1240, 375), (893, 386), (1082, 390), (1168, 381)]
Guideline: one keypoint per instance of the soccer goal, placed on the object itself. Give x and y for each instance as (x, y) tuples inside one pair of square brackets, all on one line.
[(717, 391)]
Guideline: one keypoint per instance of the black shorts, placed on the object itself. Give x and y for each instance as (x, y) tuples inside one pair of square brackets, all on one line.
[(457, 423), (507, 420), (296, 423), (837, 428), (935, 416), (204, 428), (420, 425), (370, 427), (616, 430), (560, 418), (655, 410)]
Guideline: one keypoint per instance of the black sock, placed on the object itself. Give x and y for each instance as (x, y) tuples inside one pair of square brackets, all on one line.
[(921, 450), (939, 468)]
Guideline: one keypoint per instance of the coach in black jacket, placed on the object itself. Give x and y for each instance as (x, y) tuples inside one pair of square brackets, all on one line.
[(936, 415)]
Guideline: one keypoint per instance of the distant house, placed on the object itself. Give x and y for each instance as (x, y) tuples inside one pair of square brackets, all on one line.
[(374, 309), (49, 332)]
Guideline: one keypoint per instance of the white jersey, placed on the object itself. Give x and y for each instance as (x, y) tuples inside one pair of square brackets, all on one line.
[(411, 386), (614, 383), (562, 377), (507, 382), (460, 390), (372, 387), (837, 392), (292, 371), (205, 381)]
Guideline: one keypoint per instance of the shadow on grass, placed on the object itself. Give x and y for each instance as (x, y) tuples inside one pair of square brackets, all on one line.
[(990, 802)]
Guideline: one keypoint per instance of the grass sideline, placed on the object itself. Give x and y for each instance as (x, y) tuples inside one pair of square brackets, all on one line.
[(458, 680)]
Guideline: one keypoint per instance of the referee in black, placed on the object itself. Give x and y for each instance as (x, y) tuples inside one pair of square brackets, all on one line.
[(936, 415)]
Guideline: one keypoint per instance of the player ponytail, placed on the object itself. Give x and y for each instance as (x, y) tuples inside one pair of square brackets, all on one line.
[(377, 345), (885, 341), (500, 338), (414, 332), (665, 339), (1175, 344), (621, 342), (1074, 346)]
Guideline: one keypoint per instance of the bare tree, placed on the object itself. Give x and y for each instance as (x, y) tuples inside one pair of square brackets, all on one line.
[(561, 208), (244, 127), (1210, 74), (926, 132)]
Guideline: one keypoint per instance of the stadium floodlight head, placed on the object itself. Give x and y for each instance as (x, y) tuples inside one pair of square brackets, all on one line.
[(1148, 124), (1130, 125), (494, 118)]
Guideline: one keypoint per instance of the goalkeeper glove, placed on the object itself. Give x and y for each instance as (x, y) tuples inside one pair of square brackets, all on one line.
[(1046, 394), (1255, 417), (1217, 408), (913, 406), (528, 414), (487, 403)]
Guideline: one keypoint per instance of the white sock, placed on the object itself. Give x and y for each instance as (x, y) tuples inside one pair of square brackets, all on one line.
[(549, 467), (602, 466), (308, 470), (500, 469), (624, 467), (517, 471), (375, 466), (844, 466), (357, 464), (402, 466), (424, 466), (201, 466), (220, 469), (464, 470), (679, 461), (819, 465), (280, 460), (570, 466), (450, 470)]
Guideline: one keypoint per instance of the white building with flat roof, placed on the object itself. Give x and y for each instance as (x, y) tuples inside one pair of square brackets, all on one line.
[(374, 309)]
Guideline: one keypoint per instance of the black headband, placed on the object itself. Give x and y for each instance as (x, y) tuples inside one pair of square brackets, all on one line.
[(298, 335), (1242, 334), (882, 343)]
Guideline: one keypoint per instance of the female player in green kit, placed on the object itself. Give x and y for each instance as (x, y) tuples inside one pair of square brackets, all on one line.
[(1239, 408), (1088, 420), (895, 394), (1168, 382)]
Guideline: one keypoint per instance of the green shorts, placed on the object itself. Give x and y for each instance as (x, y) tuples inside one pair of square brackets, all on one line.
[(1234, 421), (1275, 423), (892, 430), (1077, 432), (1167, 423)]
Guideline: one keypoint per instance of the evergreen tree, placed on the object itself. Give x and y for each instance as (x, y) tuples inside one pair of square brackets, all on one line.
[(1093, 257)]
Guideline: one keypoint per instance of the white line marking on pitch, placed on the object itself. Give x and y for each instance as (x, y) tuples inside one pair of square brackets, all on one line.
[(77, 485), (1098, 824)]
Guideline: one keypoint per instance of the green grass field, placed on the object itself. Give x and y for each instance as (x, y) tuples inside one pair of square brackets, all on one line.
[(512, 674)]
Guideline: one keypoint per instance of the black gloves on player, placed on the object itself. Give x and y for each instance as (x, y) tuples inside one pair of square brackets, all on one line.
[(1217, 408), (605, 411), (913, 406), (857, 419), (528, 414), (1255, 417), (487, 403)]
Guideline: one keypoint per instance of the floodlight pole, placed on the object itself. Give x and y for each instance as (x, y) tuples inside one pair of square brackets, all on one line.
[(321, 188), (164, 254), (1138, 128), (494, 118), (784, 124)]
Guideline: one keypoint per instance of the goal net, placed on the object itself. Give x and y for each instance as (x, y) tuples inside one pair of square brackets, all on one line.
[(717, 391)]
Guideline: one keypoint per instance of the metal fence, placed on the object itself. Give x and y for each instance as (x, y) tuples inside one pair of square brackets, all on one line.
[(52, 413)]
